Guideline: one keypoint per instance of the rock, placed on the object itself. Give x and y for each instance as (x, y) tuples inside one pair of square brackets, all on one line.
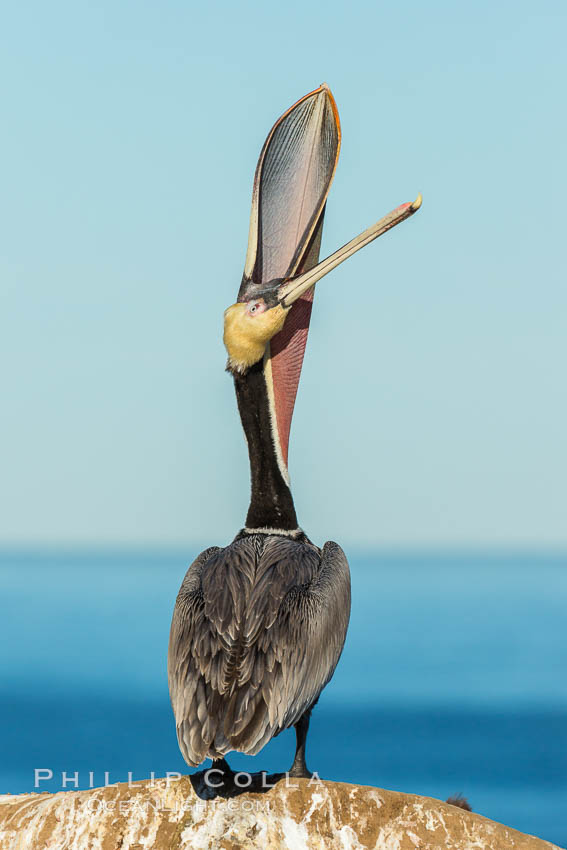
[(305, 814)]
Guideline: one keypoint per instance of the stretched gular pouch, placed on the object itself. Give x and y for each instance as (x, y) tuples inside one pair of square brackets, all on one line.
[(292, 181), (270, 320)]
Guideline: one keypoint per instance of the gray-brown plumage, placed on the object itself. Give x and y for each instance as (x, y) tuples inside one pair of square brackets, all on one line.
[(257, 632)]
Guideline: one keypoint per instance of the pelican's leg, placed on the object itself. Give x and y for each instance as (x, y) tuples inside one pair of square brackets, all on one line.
[(299, 767)]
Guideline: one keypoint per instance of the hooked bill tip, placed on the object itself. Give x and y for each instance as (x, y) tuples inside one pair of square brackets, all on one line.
[(417, 203)]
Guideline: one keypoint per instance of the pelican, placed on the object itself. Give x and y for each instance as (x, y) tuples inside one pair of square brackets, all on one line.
[(259, 625)]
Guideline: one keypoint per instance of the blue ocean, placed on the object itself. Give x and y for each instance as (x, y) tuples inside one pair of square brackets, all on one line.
[(453, 678)]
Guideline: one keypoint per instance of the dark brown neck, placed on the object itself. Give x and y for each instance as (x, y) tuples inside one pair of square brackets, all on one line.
[(271, 502)]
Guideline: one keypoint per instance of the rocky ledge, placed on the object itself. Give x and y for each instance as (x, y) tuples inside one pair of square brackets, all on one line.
[(300, 814)]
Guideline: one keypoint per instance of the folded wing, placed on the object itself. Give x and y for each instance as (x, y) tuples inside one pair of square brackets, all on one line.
[(257, 632)]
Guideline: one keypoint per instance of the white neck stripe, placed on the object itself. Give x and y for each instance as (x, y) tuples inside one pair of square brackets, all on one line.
[(295, 532), (269, 379)]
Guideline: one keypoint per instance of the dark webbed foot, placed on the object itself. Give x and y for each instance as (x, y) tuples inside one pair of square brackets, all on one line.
[(220, 780), (213, 781)]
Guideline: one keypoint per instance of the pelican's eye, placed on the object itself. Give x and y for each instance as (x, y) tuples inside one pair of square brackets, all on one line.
[(256, 307)]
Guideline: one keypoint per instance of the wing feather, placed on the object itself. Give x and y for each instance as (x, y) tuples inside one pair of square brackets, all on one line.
[(257, 632)]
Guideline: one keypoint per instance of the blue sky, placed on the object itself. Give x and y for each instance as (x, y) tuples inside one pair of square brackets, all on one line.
[(432, 406)]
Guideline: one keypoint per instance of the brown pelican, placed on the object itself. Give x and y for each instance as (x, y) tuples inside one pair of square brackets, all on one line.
[(259, 625)]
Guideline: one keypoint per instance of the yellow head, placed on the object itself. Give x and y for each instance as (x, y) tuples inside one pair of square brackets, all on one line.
[(248, 327)]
